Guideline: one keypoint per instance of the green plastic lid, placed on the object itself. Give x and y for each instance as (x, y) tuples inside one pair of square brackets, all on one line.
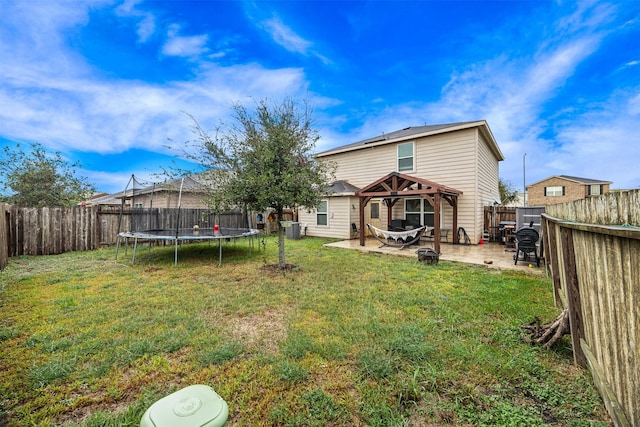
[(197, 405)]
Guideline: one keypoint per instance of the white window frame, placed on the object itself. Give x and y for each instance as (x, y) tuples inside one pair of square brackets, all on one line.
[(553, 191), (412, 157), (325, 213), (423, 210), (597, 191)]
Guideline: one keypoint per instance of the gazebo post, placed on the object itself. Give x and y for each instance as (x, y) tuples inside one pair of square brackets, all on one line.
[(455, 220), (436, 222), (361, 204)]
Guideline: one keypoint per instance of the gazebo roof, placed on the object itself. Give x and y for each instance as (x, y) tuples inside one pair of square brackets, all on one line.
[(397, 184)]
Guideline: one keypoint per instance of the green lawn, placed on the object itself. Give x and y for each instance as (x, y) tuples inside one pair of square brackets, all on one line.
[(347, 338)]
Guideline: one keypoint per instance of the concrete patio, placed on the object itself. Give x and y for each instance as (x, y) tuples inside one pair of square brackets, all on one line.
[(492, 255)]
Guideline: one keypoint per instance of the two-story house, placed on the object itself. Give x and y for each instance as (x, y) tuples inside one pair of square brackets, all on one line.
[(564, 188), (455, 167)]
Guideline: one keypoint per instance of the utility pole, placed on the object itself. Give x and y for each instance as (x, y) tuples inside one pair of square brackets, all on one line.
[(524, 181)]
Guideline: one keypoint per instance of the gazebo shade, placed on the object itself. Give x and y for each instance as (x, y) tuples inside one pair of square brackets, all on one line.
[(395, 186)]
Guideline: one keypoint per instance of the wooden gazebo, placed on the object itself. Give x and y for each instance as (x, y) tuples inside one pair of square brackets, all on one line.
[(396, 186)]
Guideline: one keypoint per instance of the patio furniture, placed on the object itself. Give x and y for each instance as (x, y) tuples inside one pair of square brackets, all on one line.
[(444, 234), (397, 225), (397, 239), (354, 230), (526, 239)]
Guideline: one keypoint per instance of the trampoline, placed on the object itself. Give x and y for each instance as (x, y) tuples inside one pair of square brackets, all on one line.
[(146, 223), (185, 235)]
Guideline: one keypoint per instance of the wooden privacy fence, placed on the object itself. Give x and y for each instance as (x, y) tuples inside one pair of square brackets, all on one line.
[(596, 274), (494, 215), (4, 236), (49, 231)]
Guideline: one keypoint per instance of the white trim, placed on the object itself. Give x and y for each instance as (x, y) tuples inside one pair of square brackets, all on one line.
[(482, 124), (326, 213), (413, 157)]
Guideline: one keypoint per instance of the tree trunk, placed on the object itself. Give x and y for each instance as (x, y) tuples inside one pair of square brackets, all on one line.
[(281, 260), (549, 333)]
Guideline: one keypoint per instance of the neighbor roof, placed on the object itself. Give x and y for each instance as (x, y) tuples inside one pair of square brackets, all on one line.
[(417, 132), (585, 181)]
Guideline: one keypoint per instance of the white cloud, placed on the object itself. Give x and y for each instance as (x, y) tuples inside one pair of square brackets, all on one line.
[(285, 37), (513, 93), (146, 21), (185, 46), (49, 93), (288, 39), (602, 144)]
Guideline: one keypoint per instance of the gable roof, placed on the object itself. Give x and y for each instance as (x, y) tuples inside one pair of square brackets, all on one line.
[(583, 181), (397, 184), (414, 132)]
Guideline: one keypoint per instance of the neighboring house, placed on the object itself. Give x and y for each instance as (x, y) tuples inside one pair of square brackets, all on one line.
[(102, 199), (458, 161), (188, 194), (564, 188)]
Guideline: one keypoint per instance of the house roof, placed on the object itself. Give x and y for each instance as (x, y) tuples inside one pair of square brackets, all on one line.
[(342, 187), (584, 181), (194, 183), (414, 132)]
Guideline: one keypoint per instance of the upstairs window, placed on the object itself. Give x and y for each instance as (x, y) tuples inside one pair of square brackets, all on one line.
[(322, 214), (554, 191), (405, 157)]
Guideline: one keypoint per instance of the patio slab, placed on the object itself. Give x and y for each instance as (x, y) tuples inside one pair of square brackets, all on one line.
[(492, 255)]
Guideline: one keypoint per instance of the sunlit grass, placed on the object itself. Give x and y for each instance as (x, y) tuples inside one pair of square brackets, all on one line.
[(346, 338)]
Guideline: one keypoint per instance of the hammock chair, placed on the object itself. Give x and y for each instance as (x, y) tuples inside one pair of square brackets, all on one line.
[(397, 239)]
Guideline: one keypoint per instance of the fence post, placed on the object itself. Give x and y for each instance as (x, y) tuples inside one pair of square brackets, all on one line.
[(573, 296), (550, 244), (4, 236)]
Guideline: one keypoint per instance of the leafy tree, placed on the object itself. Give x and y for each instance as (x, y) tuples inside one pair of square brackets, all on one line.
[(37, 178), (263, 160), (508, 193)]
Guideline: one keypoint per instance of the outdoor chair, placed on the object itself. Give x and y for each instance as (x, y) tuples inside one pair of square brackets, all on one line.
[(354, 230), (526, 239), (444, 234)]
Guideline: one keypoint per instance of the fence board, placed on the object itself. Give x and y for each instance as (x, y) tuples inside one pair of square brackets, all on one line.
[(4, 236), (620, 207), (47, 231), (598, 267)]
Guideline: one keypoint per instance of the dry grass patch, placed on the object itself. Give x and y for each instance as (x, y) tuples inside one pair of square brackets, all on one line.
[(258, 332)]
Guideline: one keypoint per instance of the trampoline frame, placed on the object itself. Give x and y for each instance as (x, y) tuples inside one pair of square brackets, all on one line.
[(185, 234)]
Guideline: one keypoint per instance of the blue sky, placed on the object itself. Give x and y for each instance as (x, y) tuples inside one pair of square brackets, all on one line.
[(108, 82)]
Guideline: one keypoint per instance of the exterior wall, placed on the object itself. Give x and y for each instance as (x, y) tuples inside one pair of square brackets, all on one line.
[(488, 188), (340, 216), (165, 199), (460, 159), (572, 191)]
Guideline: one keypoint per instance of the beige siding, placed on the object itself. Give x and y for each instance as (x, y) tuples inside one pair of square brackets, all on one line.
[(341, 215), (488, 189), (166, 199), (460, 159)]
